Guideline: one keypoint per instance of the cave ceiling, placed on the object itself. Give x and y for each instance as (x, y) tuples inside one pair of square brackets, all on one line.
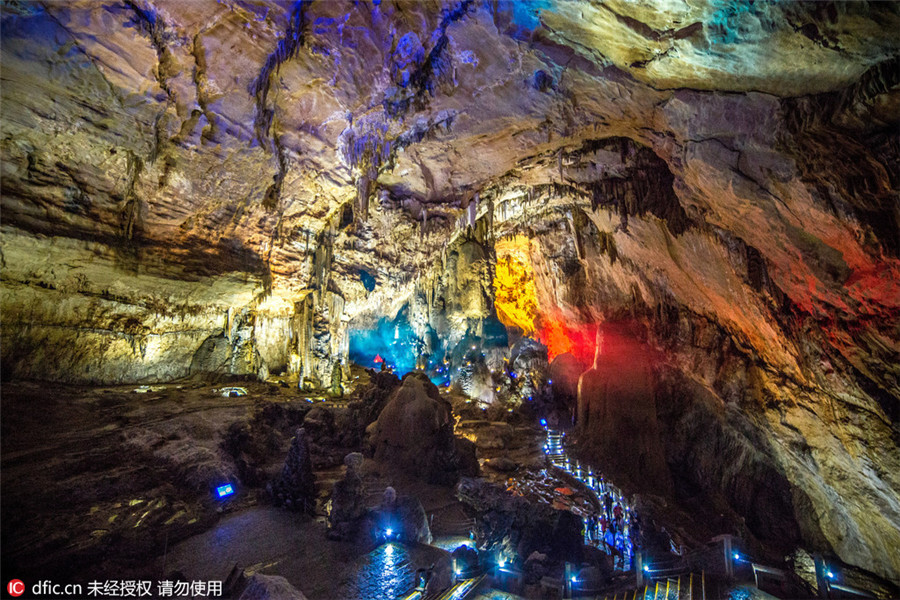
[(227, 136), (248, 178)]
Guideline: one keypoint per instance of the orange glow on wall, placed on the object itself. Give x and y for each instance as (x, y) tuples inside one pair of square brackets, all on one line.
[(515, 297), (514, 293), (560, 337)]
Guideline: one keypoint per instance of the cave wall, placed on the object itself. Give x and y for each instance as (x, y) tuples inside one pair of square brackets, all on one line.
[(214, 178), (731, 379)]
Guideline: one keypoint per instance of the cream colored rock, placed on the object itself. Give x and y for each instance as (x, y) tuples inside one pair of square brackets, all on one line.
[(214, 177)]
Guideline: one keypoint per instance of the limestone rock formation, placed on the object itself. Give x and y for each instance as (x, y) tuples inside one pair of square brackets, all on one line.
[(617, 412), (295, 489), (348, 506), (404, 516), (414, 433), (513, 526), (270, 587), (565, 372), (231, 188)]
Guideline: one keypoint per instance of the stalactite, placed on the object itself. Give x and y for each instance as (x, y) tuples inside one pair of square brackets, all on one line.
[(489, 220), (576, 235), (322, 265), (305, 338), (335, 307), (623, 214), (364, 185), (559, 164), (132, 212)]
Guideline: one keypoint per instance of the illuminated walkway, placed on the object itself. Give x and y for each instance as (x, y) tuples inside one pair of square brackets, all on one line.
[(611, 529), (458, 591)]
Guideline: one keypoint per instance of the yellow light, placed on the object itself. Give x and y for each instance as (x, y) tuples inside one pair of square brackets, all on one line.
[(514, 289)]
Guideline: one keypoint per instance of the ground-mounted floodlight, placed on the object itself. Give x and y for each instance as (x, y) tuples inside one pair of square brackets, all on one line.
[(223, 491)]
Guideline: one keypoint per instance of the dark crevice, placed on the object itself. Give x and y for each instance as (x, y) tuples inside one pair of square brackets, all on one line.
[(434, 70), (287, 49), (132, 213), (650, 33), (148, 22), (646, 185), (848, 153), (200, 80)]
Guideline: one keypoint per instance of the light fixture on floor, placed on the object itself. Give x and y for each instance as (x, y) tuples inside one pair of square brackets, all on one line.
[(223, 491)]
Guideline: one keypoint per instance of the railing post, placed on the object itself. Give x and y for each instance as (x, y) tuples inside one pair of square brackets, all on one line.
[(639, 567), (703, 583)]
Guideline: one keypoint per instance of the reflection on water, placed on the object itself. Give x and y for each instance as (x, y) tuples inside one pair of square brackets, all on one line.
[(383, 574)]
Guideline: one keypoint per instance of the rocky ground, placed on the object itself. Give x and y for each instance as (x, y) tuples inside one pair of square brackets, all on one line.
[(101, 478), (132, 498), (229, 188)]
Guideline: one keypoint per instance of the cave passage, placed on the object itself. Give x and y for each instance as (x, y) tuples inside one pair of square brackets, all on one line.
[(330, 299)]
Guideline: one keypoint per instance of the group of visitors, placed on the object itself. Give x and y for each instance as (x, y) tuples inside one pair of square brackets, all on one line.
[(615, 530)]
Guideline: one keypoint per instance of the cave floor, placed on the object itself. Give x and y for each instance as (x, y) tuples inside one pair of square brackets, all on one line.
[(102, 476), (276, 542), (112, 483)]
